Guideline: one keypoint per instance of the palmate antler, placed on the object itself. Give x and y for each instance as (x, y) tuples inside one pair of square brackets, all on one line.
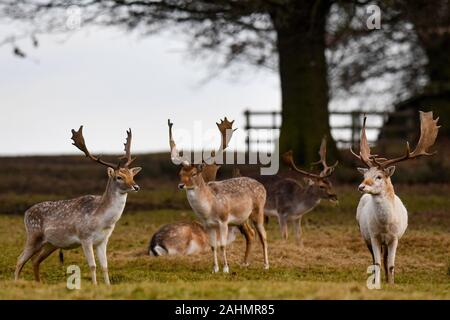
[(209, 169), (226, 132), (428, 134), (78, 141), (327, 171), (127, 150), (288, 159), (174, 154)]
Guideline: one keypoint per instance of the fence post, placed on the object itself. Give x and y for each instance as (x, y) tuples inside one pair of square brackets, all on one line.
[(355, 125), (247, 128)]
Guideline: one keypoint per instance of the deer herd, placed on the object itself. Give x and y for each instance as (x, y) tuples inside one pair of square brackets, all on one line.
[(225, 208)]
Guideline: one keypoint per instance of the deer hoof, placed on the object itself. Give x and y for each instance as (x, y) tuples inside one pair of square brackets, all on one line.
[(215, 269), (226, 269), (266, 266)]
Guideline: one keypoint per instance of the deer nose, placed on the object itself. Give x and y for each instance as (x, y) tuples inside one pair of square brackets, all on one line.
[(180, 185), (136, 187), (361, 187)]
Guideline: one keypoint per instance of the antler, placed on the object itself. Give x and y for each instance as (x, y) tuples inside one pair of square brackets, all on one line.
[(174, 154), (327, 170), (288, 159), (78, 141), (226, 131), (364, 148), (127, 150), (428, 134)]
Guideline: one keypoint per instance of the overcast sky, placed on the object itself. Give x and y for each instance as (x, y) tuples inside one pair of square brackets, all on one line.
[(109, 81)]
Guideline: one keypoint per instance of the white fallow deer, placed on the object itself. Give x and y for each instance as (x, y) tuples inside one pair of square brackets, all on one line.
[(381, 215), (219, 204), (87, 221), (183, 238), (288, 199)]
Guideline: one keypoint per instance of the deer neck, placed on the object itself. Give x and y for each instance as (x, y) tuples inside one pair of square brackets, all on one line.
[(388, 193), (309, 199), (385, 203), (200, 198), (112, 204)]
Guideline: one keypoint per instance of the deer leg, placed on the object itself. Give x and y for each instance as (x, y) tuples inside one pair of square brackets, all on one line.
[(392, 250), (369, 246), (259, 225), (89, 253), (102, 258), (298, 232), (223, 236), (384, 251), (32, 246), (283, 227), (213, 242), (37, 259), (248, 234), (376, 248)]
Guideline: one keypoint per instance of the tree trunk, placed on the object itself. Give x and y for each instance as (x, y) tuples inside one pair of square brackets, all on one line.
[(437, 92), (431, 23), (303, 77)]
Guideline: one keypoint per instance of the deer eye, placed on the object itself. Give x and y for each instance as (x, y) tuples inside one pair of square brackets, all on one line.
[(119, 178), (379, 177)]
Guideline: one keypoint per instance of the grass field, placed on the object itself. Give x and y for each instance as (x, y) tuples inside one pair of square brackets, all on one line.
[(331, 266)]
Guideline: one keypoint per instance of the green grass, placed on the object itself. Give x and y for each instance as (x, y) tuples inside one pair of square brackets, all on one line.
[(331, 266)]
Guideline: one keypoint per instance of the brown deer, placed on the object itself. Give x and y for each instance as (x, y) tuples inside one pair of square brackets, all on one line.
[(87, 221), (219, 204), (381, 215), (183, 238), (288, 200)]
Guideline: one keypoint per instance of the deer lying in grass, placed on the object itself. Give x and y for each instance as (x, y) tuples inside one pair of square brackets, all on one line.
[(219, 204), (381, 215), (87, 221), (183, 238), (288, 200)]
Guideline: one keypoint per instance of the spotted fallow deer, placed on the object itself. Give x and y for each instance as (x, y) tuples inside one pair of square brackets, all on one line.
[(381, 215), (87, 221), (219, 204), (288, 199), (183, 238)]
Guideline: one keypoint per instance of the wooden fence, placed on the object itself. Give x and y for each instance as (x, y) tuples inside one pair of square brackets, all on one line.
[(345, 126)]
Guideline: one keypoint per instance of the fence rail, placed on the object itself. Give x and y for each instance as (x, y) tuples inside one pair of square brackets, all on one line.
[(338, 128)]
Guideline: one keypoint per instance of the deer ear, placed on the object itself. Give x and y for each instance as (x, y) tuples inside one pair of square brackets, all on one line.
[(135, 170), (362, 170), (389, 171), (111, 172)]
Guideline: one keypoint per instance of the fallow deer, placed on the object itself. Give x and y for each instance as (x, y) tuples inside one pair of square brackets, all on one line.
[(183, 238), (87, 221), (222, 203), (381, 215), (289, 200)]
